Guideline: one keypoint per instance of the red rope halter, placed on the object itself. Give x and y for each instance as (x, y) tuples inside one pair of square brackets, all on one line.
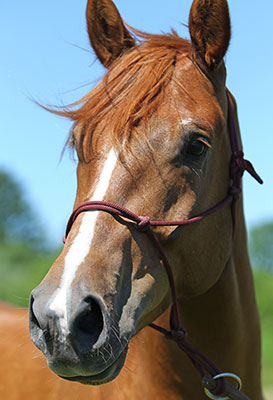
[(201, 362)]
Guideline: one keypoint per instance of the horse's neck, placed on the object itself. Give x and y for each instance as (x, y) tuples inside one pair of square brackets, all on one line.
[(223, 323)]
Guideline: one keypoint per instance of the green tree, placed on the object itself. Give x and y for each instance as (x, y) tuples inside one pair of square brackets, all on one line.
[(18, 223)]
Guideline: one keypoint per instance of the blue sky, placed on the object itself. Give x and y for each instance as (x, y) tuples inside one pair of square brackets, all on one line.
[(45, 55)]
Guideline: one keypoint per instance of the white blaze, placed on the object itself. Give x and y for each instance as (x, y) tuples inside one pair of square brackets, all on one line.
[(81, 245)]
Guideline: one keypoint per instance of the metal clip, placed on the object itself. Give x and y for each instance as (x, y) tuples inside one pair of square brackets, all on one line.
[(224, 375)]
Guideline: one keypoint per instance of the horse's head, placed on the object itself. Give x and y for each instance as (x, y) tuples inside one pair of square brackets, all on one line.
[(152, 137)]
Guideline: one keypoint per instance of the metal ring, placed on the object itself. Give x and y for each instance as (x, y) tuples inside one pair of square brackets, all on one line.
[(224, 375)]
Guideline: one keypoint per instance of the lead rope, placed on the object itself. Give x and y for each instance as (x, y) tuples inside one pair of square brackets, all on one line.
[(212, 379)]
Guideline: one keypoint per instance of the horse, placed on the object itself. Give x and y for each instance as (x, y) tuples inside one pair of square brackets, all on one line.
[(157, 235)]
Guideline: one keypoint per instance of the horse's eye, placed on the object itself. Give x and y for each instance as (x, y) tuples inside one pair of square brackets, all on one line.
[(197, 148)]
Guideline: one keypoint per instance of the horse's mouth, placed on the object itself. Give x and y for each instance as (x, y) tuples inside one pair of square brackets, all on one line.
[(110, 373)]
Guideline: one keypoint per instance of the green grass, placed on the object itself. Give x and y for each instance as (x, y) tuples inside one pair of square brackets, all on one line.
[(264, 292), (21, 269), (268, 392)]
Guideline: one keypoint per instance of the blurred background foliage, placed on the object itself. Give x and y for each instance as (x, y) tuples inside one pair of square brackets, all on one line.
[(18, 224), (25, 250), (26, 255)]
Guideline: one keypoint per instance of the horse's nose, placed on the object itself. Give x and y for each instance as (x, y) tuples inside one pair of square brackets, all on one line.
[(83, 327)]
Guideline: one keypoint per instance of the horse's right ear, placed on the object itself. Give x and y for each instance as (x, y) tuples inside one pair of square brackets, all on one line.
[(209, 25), (107, 33)]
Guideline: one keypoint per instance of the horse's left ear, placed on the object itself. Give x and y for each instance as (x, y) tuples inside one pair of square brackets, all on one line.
[(107, 33), (209, 25)]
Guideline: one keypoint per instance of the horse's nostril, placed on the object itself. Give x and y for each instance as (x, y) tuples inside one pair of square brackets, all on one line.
[(88, 325)]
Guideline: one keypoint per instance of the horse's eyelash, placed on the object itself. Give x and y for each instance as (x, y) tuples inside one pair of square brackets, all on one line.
[(205, 142)]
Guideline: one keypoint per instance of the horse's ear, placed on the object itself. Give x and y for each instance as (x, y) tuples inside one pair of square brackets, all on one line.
[(209, 25), (107, 33)]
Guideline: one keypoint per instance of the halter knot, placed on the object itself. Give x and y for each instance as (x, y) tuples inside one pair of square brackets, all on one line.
[(177, 335), (144, 224), (238, 164)]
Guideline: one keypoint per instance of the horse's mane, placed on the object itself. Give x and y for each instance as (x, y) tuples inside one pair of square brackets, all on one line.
[(129, 93)]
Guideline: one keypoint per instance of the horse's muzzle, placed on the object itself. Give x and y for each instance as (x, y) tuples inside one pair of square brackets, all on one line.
[(76, 344)]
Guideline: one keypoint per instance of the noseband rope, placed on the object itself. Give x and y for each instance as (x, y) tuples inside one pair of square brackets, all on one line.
[(212, 378)]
